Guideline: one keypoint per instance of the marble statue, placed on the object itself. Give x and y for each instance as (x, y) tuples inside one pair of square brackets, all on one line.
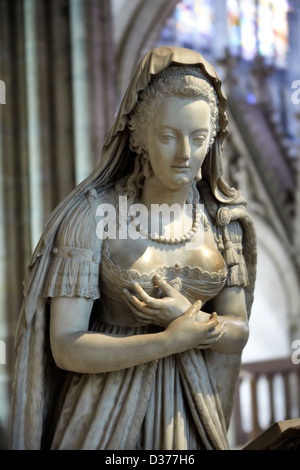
[(135, 341)]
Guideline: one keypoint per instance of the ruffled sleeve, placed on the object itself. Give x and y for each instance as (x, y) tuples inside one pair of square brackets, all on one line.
[(74, 269)]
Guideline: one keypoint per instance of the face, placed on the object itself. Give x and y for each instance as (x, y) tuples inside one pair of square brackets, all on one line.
[(177, 141)]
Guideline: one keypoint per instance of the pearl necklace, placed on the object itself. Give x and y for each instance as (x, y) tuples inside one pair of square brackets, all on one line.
[(171, 240)]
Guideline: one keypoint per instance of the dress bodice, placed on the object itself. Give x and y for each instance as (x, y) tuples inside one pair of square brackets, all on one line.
[(83, 266), (193, 282)]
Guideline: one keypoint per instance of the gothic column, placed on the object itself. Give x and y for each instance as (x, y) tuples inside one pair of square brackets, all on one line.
[(294, 63), (13, 199), (294, 112), (296, 236), (61, 104), (93, 80)]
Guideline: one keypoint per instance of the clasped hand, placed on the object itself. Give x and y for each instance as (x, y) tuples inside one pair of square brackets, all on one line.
[(174, 305)]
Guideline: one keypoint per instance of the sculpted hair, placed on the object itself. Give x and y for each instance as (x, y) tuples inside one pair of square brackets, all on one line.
[(176, 82), (172, 83)]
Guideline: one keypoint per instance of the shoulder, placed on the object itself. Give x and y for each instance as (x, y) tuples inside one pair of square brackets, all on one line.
[(78, 229)]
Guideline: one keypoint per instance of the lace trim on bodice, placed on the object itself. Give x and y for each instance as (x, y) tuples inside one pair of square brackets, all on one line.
[(74, 269), (193, 283), (185, 272)]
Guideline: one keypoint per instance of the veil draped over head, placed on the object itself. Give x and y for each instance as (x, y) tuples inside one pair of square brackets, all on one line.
[(31, 385)]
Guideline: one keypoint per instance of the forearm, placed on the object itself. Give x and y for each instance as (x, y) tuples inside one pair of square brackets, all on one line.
[(76, 349), (91, 352)]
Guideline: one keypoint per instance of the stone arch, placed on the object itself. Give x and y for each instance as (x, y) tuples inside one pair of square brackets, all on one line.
[(140, 35), (276, 298)]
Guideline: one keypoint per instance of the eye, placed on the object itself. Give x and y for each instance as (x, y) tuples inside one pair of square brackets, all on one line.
[(167, 137), (199, 139)]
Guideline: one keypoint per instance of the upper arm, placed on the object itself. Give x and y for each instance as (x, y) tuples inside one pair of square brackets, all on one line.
[(67, 316), (231, 302)]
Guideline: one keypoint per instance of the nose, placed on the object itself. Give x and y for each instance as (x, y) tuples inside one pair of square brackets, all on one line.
[(185, 149)]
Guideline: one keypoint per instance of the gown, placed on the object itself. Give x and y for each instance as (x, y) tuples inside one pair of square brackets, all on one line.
[(170, 403)]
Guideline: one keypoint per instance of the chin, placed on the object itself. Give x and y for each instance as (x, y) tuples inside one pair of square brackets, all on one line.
[(181, 182), (177, 184)]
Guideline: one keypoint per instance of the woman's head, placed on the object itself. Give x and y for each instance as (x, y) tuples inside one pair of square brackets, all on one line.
[(126, 138), (179, 82)]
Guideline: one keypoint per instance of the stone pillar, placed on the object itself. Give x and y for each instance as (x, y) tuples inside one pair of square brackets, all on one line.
[(38, 115), (80, 95), (102, 92), (13, 200), (294, 111), (60, 87), (293, 64), (92, 80), (296, 237)]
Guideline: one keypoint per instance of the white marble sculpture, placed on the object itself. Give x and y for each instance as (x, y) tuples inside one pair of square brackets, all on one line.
[(135, 341)]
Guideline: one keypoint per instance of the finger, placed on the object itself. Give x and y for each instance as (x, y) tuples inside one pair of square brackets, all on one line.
[(208, 326), (144, 296), (218, 331), (213, 321), (165, 287), (135, 302), (214, 335), (194, 308), (211, 339), (132, 298), (142, 308), (140, 315), (134, 310)]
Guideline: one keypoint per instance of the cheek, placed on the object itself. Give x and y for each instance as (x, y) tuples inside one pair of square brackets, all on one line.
[(156, 161), (199, 155), (161, 154)]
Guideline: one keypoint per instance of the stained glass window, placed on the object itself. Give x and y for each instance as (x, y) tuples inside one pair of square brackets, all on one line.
[(248, 29), (233, 18), (259, 26), (265, 29), (280, 29), (192, 25), (253, 27)]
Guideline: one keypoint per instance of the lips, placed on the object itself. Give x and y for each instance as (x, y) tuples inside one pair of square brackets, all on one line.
[(182, 167)]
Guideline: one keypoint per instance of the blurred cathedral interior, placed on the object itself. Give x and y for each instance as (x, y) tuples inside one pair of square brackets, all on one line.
[(66, 64)]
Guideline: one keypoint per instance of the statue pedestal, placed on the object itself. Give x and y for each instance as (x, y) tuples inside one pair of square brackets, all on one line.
[(283, 435)]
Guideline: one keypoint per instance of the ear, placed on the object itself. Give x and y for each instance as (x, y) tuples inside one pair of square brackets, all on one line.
[(146, 165)]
